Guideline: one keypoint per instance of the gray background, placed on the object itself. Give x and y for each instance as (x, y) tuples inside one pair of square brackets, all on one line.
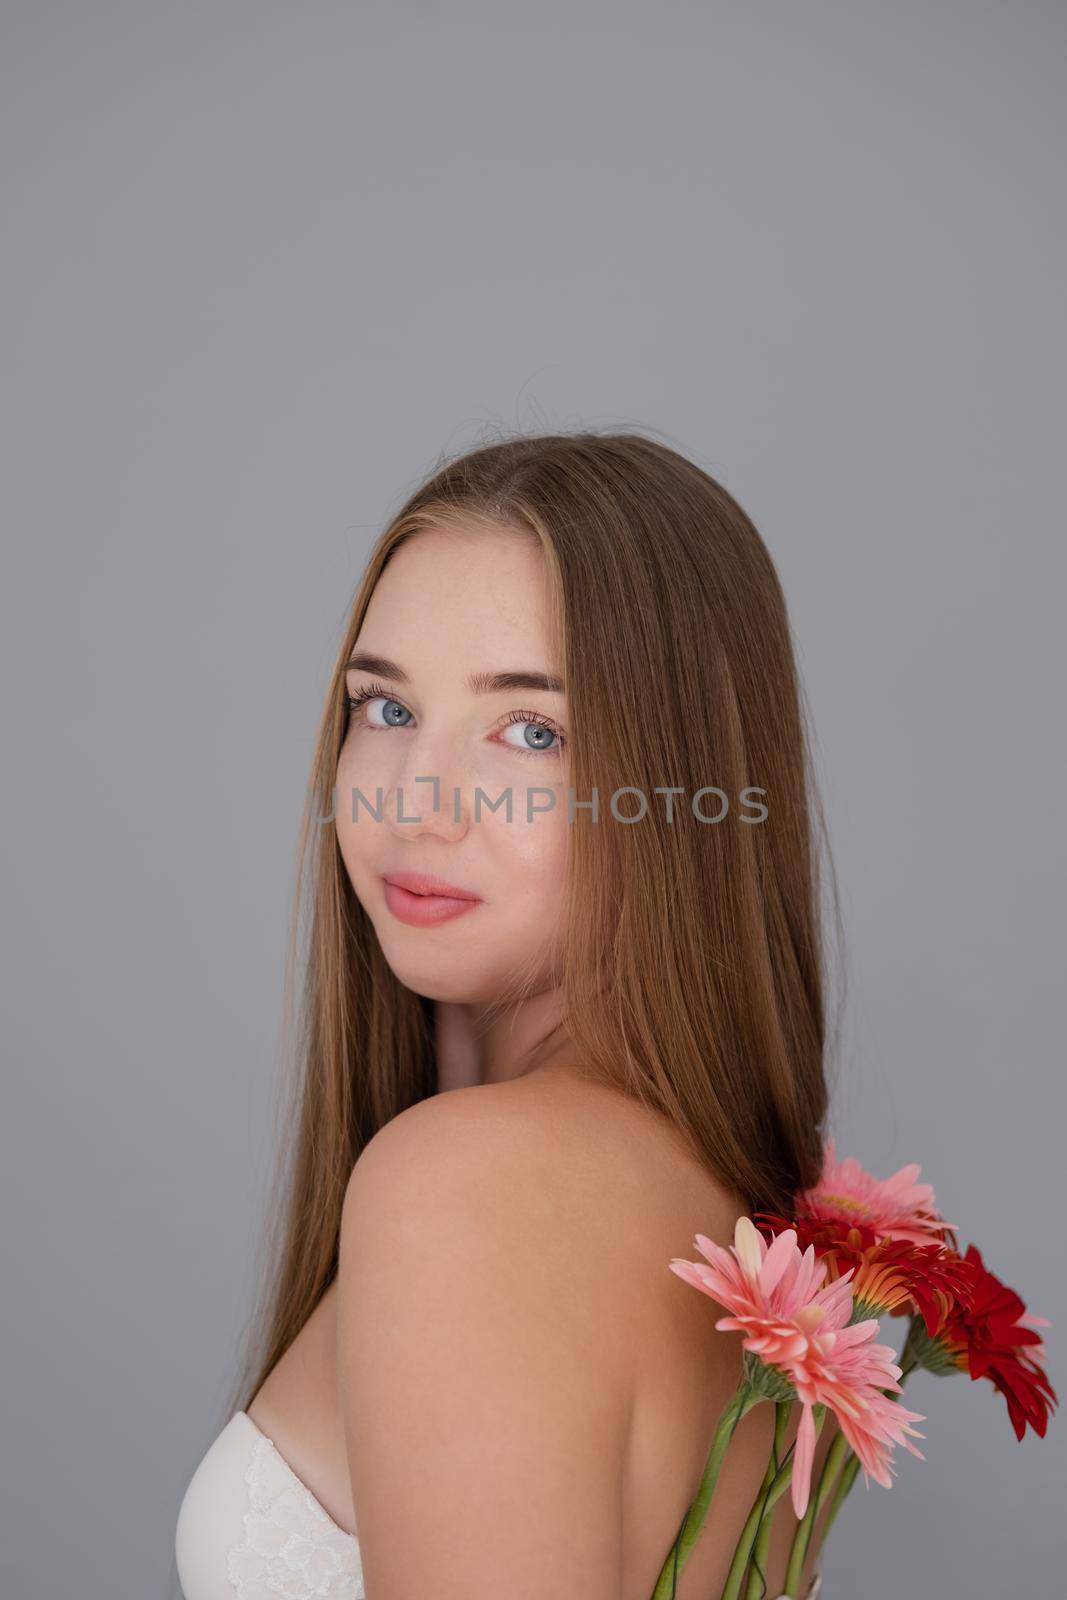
[(262, 264)]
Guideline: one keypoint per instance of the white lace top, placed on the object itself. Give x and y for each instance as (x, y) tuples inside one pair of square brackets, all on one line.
[(248, 1528)]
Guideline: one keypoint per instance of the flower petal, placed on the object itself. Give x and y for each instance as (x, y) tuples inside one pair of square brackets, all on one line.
[(777, 1260), (805, 1454), (748, 1242)]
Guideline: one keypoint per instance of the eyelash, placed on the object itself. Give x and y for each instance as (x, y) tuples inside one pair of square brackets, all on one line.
[(378, 691)]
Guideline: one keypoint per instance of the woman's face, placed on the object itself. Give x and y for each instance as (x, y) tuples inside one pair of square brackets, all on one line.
[(450, 609)]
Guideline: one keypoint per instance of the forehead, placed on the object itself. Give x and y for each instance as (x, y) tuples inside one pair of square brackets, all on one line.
[(480, 595)]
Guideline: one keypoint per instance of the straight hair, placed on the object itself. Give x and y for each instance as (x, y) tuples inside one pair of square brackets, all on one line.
[(693, 974)]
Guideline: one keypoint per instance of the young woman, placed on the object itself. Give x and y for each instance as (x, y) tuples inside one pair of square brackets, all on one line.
[(564, 1008)]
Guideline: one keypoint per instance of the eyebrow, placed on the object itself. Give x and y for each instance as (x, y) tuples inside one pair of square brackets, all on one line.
[(478, 682)]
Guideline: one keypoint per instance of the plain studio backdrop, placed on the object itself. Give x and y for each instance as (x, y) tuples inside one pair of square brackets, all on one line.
[(262, 264)]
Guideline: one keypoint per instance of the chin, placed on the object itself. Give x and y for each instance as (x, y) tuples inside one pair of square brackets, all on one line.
[(439, 975), (454, 987)]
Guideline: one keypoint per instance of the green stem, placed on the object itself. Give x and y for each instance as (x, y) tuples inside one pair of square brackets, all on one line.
[(844, 1484), (743, 1400), (757, 1583), (850, 1471), (802, 1538), (760, 1508)]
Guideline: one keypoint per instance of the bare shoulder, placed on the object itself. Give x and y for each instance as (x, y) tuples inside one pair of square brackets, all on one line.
[(463, 1138), (503, 1279), (486, 1441), (569, 1163), (532, 1169)]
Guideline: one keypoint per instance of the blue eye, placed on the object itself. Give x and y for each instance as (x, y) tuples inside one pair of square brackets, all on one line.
[(535, 734), (395, 715)]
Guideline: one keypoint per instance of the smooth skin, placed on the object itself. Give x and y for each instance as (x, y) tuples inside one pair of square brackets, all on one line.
[(505, 1392), (448, 606)]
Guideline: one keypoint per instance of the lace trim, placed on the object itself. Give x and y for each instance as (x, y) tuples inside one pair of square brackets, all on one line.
[(291, 1548)]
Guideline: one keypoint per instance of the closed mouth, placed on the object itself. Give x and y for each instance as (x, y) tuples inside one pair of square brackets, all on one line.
[(428, 886)]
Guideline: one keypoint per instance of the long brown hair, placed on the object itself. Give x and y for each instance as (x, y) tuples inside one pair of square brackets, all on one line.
[(694, 967)]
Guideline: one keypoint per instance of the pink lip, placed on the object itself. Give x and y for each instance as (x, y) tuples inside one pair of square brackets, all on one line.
[(426, 883), (422, 901)]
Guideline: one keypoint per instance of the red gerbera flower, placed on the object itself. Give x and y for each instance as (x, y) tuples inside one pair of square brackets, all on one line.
[(890, 1275), (993, 1337)]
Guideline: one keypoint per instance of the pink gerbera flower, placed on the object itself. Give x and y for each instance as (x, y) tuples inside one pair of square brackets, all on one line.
[(895, 1208), (800, 1328)]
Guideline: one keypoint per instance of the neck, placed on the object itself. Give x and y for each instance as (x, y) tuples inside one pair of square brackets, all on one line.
[(475, 1047)]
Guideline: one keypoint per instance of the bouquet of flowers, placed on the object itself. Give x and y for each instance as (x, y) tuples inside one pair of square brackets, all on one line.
[(807, 1293)]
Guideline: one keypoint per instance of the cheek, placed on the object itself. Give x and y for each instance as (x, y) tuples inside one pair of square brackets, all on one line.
[(353, 837), (532, 858), (366, 760)]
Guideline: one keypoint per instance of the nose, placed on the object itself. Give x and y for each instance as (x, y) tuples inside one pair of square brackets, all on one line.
[(428, 801)]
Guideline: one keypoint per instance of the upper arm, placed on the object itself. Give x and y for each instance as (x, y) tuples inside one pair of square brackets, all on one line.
[(485, 1408)]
